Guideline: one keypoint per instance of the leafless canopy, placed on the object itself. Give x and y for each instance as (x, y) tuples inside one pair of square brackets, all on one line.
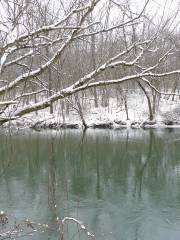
[(52, 50)]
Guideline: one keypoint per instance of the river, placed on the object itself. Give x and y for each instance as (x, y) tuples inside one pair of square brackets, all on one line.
[(123, 185)]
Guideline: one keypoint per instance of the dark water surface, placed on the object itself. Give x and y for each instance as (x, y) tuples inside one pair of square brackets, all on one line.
[(122, 185)]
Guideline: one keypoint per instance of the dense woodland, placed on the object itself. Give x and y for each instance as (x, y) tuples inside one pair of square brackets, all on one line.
[(66, 53)]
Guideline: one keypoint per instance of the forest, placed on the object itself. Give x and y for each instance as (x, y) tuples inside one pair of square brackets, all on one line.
[(95, 63), (89, 64)]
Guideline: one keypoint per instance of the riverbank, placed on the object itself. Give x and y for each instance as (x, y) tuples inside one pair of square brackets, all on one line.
[(113, 116)]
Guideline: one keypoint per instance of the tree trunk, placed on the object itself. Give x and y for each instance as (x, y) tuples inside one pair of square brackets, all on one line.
[(151, 115)]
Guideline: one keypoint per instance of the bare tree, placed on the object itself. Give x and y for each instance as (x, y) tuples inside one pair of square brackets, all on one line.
[(35, 54)]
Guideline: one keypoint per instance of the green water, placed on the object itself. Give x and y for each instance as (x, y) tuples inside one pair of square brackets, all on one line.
[(122, 185)]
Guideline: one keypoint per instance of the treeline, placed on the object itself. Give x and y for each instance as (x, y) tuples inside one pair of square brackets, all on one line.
[(74, 50)]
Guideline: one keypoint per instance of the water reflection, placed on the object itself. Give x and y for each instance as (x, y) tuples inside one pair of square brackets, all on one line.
[(124, 185)]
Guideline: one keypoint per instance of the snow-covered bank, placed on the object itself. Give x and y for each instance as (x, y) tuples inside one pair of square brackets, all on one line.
[(111, 117)]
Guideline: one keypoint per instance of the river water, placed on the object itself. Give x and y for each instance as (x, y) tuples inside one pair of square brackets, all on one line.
[(120, 184)]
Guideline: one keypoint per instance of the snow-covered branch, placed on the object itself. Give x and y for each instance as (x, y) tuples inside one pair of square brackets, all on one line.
[(18, 59), (145, 80), (34, 73), (111, 63), (47, 58), (72, 90)]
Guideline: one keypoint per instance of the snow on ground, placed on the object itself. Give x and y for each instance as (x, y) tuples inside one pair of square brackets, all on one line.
[(137, 109)]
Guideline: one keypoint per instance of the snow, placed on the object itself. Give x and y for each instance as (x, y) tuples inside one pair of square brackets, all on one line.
[(114, 114)]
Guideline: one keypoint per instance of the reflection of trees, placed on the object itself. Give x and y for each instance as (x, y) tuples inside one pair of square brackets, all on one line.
[(143, 164), (79, 175), (95, 158), (52, 177), (92, 168), (7, 154), (98, 186), (102, 161)]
